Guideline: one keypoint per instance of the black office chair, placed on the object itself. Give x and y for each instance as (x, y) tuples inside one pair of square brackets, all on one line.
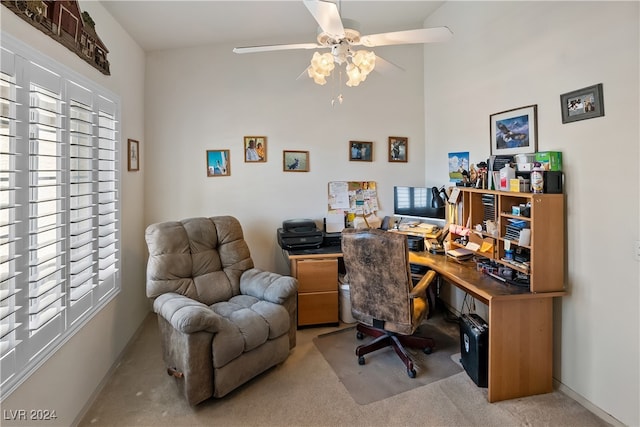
[(383, 298)]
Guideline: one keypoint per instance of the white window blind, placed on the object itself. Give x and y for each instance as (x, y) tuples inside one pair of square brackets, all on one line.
[(59, 206)]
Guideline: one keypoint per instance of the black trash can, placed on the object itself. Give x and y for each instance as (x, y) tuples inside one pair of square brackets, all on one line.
[(474, 347)]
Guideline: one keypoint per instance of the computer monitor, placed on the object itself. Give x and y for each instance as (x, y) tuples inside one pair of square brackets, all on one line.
[(419, 203)]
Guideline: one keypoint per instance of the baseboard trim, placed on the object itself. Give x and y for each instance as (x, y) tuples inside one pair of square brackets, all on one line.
[(607, 418), (109, 374)]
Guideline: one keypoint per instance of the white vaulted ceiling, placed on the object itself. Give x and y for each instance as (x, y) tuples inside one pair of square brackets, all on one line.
[(157, 25)]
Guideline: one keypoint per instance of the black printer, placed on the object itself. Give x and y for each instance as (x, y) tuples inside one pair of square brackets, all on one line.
[(299, 234)]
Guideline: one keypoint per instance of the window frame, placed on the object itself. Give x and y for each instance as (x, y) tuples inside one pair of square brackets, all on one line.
[(98, 258)]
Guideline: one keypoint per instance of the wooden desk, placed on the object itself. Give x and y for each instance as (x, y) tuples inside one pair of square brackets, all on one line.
[(520, 328), (520, 322)]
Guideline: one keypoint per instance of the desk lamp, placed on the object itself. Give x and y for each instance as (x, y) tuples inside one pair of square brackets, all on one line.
[(437, 199)]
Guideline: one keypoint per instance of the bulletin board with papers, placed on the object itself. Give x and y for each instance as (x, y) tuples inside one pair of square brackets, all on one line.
[(357, 200)]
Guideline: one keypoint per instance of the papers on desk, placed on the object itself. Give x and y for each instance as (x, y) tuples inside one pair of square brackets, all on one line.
[(460, 253), (426, 232), (334, 222), (428, 228), (472, 246), (486, 246)]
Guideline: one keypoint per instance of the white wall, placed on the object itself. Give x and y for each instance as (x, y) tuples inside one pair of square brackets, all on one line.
[(210, 98), (506, 55), (68, 379)]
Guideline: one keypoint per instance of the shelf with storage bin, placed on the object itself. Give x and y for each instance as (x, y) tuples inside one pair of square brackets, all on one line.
[(476, 208), (546, 246)]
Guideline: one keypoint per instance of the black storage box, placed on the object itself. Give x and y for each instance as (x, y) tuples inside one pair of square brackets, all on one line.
[(474, 346), (553, 180), (416, 243)]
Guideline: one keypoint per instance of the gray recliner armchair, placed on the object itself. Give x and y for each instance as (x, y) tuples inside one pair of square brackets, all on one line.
[(222, 321)]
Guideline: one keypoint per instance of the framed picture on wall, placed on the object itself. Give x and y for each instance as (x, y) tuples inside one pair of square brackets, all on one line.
[(514, 131), (133, 152), (581, 104), (295, 161), (255, 149), (218, 163), (360, 151), (398, 148)]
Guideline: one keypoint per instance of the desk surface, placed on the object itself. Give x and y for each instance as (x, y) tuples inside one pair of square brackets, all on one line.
[(520, 346), (461, 274), (465, 276), (321, 252)]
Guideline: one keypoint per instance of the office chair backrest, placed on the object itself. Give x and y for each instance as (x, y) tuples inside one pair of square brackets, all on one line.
[(377, 266)]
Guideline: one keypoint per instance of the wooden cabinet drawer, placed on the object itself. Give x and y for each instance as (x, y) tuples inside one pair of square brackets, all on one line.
[(317, 275), (317, 308)]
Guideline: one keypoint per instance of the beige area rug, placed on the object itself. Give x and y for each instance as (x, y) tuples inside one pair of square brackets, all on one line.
[(384, 375)]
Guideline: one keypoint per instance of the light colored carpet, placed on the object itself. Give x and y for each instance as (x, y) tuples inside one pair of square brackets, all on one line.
[(384, 375), (305, 391)]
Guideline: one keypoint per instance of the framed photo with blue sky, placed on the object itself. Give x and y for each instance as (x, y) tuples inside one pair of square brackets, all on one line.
[(218, 163), (458, 165)]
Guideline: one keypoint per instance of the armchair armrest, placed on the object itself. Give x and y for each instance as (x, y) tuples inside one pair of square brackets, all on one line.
[(268, 286), (420, 289), (187, 315)]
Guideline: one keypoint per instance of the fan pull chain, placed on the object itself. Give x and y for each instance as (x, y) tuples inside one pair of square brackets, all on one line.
[(339, 98), (333, 90), (340, 86)]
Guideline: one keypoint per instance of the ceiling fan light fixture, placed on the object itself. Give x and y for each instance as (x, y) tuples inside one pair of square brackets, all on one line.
[(317, 77), (365, 60), (358, 64), (322, 63), (355, 77)]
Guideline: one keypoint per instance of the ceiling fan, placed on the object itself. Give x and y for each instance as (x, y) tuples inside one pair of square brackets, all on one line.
[(341, 36)]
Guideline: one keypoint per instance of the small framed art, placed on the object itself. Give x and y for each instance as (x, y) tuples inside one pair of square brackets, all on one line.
[(514, 131), (133, 152), (218, 163), (255, 149), (360, 151), (295, 161), (581, 104), (398, 146)]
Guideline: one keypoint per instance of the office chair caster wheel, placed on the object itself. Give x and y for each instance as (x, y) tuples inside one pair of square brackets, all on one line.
[(411, 373), (359, 335), (361, 360), (427, 350)]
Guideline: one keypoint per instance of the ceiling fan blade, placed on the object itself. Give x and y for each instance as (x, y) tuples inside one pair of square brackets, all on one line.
[(387, 67), (424, 35), (269, 48), (327, 15), (305, 73)]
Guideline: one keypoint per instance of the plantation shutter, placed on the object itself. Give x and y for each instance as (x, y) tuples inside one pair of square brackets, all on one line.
[(9, 223), (59, 206), (108, 241), (47, 241), (82, 200)]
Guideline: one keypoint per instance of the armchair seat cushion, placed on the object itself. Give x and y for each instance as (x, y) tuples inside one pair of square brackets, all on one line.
[(250, 323)]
